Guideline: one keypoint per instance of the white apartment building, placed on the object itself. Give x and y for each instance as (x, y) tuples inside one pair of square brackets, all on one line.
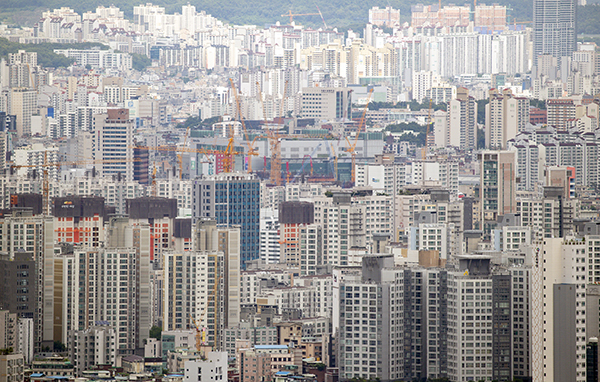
[(344, 227), (270, 249), (565, 274), (530, 164), (250, 283), (290, 298), (422, 81), (432, 237), (22, 102), (116, 290), (388, 178), (176, 189), (98, 59), (470, 327), (213, 368), (323, 285), (185, 289), (513, 238), (446, 173), (94, 346), (37, 158), (505, 116)]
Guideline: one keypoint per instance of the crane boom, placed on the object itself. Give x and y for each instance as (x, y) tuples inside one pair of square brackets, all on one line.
[(291, 15), (227, 165), (46, 165), (352, 146), (180, 156)]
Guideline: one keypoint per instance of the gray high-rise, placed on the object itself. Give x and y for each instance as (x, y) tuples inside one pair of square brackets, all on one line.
[(554, 28)]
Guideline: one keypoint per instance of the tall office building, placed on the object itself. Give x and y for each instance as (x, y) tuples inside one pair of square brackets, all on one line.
[(233, 199), (326, 103), (114, 143), (554, 28)]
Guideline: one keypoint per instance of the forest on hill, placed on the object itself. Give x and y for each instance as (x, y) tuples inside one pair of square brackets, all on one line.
[(337, 13), (45, 52)]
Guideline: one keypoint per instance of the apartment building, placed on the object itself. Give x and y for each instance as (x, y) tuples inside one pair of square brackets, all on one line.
[(498, 186), (560, 112), (94, 346), (505, 116), (32, 270), (218, 298), (565, 272), (79, 220)]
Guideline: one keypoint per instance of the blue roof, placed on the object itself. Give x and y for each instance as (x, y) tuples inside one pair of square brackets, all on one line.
[(283, 373), (58, 377), (35, 375), (270, 346)]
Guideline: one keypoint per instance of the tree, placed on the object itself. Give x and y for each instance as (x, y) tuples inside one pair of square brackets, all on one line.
[(539, 103), (481, 110), (6, 351), (59, 346), (480, 139), (196, 123), (155, 332), (140, 62), (401, 127)]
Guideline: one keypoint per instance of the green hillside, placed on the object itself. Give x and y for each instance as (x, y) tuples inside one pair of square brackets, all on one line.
[(46, 56), (338, 13)]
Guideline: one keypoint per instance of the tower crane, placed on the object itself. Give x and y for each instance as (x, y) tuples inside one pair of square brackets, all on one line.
[(335, 164), (425, 149), (275, 143), (46, 165), (201, 342), (154, 181), (227, 165), (292, 15), (352, 146), (180, 155), (304, 163)]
